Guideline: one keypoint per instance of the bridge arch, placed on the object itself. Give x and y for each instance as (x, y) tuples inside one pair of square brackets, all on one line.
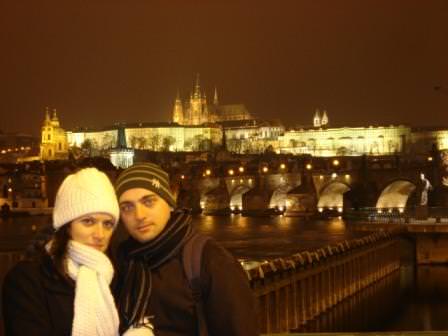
[(236, 196), (332, 196), (279, 196), (396, 194)]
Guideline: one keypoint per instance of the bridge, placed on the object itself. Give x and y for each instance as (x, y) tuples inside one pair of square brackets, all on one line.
[(305, 185)]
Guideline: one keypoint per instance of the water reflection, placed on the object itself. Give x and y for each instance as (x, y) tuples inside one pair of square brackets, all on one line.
[(362, 312), (425, 305), (259, 238), (254, 238)]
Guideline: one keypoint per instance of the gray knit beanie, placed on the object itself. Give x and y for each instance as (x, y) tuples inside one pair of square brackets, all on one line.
[(87, 191), (148, 176)]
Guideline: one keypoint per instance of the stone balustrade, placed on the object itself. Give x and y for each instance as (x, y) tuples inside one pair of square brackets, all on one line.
[(292, 291)]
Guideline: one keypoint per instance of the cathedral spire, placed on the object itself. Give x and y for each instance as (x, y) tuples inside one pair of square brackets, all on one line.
[(215, 97), (197, 87)]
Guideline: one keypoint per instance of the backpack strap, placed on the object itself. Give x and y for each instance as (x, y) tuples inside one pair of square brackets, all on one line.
[(192, 260)]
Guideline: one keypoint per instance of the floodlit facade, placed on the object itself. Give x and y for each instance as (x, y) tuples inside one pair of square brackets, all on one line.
[(154, 137), (346, 141), (244, 136), (53, 139), (253, 136)]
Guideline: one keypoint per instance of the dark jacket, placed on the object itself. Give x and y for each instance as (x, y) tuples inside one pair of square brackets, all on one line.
[(229, 303), (36, 300)]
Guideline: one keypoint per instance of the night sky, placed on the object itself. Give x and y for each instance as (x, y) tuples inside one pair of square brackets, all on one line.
[(100, 62)]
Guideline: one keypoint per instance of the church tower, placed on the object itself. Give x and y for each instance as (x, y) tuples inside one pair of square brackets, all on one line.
[(196, 104), (178, 114), (53, 144), (316, 120), (324, 120), (121, 156), (215, 98), (204, 110)]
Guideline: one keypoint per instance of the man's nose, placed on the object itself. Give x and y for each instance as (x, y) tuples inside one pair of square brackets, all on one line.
[(140, 212)]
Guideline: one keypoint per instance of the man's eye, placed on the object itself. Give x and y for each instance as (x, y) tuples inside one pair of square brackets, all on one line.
[(148, 202), (126, 207)]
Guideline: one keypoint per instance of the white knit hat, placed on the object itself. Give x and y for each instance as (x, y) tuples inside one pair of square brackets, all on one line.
[(87, 191)]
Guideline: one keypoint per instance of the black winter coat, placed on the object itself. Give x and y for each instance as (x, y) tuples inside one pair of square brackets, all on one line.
[(36, 300), (229, 303)]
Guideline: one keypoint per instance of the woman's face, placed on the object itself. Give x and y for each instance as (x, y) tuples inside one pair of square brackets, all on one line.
[(94, 230)]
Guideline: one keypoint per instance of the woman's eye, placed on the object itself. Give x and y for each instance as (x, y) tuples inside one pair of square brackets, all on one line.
[(109, 224), (87, 221)]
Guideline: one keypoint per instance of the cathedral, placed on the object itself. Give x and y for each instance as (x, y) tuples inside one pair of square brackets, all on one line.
[(197, 111)]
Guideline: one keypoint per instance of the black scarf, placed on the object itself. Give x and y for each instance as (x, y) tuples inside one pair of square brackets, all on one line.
[(141, 258)]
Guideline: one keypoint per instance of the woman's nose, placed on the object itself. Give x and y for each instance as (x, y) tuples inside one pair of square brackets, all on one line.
[(99, 231)]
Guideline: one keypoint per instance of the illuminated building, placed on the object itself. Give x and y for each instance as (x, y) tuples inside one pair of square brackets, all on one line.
[(152, 136), (197, 110), (54, 140), (252, 136), (346, 141)]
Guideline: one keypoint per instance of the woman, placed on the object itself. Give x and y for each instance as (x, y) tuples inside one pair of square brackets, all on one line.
[(64, 290)]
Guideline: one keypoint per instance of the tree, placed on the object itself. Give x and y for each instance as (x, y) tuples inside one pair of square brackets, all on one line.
[(87, 147), (197, 140), (205, 145), (167, 142), (154, 142), (133, 140), (235, 146), (293, 143), (141, 142), (107, 141)]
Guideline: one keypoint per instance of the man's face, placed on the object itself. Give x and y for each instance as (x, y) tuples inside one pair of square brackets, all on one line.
[(144, 213)]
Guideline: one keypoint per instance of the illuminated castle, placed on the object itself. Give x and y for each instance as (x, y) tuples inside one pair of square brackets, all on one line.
[(54, 139), (197, 111)]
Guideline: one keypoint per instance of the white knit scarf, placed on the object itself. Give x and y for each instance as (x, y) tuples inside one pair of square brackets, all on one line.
[(94, 308)]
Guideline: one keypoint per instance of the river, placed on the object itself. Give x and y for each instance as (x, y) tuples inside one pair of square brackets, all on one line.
[(415, 300)]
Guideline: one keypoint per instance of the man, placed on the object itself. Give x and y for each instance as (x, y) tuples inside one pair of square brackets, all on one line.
[(152, 288)]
